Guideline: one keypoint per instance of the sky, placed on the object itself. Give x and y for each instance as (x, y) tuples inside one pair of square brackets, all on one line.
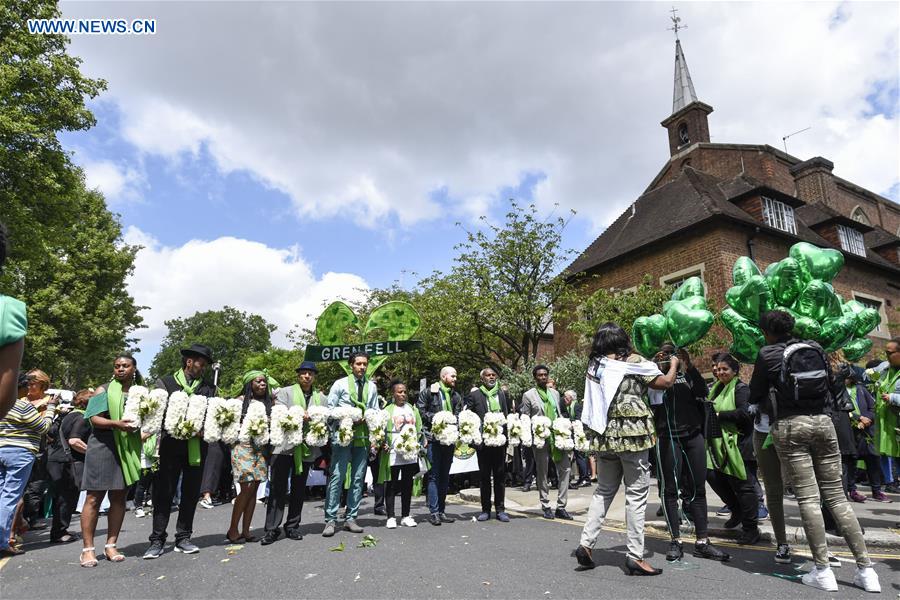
[(274, 157)]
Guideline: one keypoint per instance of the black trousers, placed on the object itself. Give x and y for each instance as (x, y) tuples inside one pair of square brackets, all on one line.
[(738, 495), (173, 463), (377, 488), (33, 508), (216, 470), (492, 465), (584, 472), (143, 484), (873, 469), (65, 497), (402, 480), (282, 472), (528, 471), (682, 462)]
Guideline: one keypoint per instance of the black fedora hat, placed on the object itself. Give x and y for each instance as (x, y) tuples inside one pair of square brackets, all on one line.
[(197, 351), (307, 365)]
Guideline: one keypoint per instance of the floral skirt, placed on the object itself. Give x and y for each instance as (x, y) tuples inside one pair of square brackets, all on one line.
[(248, 464)]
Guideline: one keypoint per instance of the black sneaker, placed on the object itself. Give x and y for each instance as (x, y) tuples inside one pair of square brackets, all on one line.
[(562, 513), (294, 534), (707, 550), (445, 519), (583, 556), (749, 537), (732, 522), (270, 538), (783, 556), (434, 519), (676, 551), (154, 551), (548, 513), (186, 546)]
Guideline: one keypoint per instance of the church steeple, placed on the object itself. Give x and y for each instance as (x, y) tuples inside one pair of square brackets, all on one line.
[(688, 123)]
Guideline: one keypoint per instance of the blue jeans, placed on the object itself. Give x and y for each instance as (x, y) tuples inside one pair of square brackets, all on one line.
[(341, 456), (441, 458), (15, 468)]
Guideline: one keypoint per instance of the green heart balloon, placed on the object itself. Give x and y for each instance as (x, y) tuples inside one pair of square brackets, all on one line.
[(744, 269), (334, 322), (749, 298), (649, 333), (856, 348), (815, 262), (747, 337), (686, 324), (865, 318), (784, 281), (804, 327), (836, 332), (818, 301), (692, 286), (692, 302)]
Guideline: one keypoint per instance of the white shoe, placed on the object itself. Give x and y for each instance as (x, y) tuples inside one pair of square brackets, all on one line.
[(139, 513), (408, 522), (821, 578), (867, 579), (391, 523)]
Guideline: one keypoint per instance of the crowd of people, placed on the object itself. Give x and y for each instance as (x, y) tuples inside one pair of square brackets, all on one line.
[(801, 426)]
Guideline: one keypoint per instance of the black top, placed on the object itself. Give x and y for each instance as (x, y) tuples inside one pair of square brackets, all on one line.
[(169, 384), (477, 402), (682, 412), (72, 425), (767, 374), (741, 418)]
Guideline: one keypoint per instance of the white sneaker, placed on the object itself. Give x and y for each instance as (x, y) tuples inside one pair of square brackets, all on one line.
[(391, 523), (821, 578), (408, 522), (867, 579), (139, 513)]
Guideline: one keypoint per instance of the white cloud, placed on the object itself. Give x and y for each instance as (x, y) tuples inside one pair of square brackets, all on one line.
[(364, 109), (209, 274), (117, 181)]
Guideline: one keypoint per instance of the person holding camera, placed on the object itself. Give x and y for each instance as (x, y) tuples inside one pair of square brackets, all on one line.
[(681, 453), (804, 436), (21, 432)]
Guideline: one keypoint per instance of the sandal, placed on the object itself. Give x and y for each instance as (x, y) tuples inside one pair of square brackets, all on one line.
[(236, 540), (116, 557), (89, 564), (249, 539)]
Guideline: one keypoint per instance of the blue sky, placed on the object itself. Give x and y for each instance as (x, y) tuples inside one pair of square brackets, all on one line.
[(319, 148)]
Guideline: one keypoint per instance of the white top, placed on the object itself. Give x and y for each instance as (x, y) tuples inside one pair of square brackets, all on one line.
[(403, 416)]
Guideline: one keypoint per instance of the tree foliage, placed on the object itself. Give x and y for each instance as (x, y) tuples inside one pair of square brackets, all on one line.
[(232, 335), (67, 261)]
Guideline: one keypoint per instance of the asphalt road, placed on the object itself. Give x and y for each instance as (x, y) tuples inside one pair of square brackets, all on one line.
[(527, 558)]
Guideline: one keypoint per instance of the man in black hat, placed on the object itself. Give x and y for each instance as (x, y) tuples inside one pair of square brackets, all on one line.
[(292, 464), (174, 461)]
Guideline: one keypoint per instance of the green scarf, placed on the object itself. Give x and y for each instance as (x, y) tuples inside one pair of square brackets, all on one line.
[(360, 431), (128, 445), (886, 441), (302, 452), (550, 413), (384, 462), (493, 397), (193, 444), (725, 450), (445, 394)]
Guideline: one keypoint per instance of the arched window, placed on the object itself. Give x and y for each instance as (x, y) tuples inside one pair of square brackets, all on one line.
[(859, 216), (683, 137)]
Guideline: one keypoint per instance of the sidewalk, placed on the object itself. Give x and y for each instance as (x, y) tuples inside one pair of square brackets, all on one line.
[(877, 518)]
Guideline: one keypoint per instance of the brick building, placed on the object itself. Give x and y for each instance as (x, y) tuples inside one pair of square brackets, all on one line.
[(711, 203)]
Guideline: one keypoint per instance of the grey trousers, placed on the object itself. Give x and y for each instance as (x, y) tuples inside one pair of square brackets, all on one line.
[(770, 471), (563, 472), (612, 469), (808, 447)]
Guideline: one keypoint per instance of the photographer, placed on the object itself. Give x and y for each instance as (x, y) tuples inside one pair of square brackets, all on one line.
[(806, 441), (67, 439), (681, 453)]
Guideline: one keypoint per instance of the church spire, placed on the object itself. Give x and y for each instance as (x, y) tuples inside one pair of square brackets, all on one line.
[(684, 92)]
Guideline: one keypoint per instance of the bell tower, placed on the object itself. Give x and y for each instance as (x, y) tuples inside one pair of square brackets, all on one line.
[(688, 123)]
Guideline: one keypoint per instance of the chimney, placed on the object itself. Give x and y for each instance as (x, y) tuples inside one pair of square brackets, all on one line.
[(814, 182)]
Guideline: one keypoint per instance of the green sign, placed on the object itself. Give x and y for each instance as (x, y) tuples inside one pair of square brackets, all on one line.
[(333, 353)]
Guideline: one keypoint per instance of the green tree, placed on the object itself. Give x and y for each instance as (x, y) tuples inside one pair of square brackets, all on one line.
[(68, 262), (568, 371), (232, 335), (279, 363)]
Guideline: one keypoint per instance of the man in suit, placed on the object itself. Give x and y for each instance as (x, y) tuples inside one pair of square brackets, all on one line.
[(542, 400), (574, 407), (432, 400), (491, 459)]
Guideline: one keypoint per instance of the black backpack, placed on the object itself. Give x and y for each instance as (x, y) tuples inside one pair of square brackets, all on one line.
[(804, 381)]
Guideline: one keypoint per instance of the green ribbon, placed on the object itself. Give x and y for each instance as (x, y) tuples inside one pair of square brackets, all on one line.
[(128, 445), (384, 462), (724, 451), (885, 435), (193, 444), (360, 432), (302, 451), (493, 397), (550, 413)]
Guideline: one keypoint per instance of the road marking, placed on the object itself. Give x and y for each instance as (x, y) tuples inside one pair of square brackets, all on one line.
[(3, 562)]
